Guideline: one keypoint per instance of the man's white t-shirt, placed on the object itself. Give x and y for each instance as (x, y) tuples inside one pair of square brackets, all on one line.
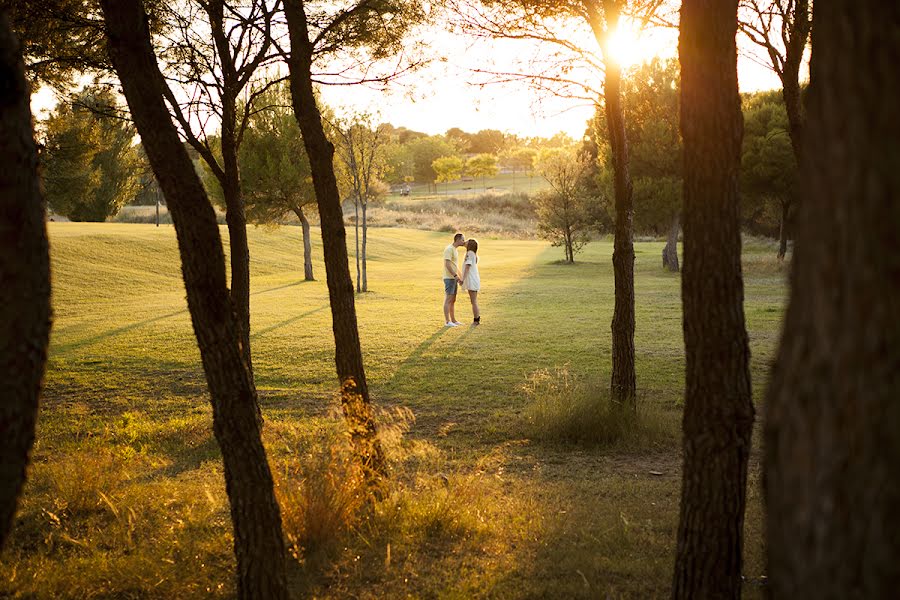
[(472, 282), (452, 255)]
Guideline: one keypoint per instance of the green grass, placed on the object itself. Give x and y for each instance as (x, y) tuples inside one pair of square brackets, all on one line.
[(125, 497)]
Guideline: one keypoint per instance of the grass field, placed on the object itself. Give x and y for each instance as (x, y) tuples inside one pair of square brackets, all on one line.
[(125, 498)]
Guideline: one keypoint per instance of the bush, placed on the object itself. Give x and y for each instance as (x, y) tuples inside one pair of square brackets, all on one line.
[(564, 410)]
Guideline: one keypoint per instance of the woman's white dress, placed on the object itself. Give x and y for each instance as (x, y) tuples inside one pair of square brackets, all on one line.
[(472, 282)]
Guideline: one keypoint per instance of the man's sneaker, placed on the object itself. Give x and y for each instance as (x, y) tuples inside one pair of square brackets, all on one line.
[(450, 324), (456, 323)]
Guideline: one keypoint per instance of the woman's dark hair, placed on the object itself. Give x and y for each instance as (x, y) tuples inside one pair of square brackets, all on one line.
[(472, 245)]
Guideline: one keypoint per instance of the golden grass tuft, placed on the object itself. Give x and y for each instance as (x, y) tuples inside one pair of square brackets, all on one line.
[(564, 409)]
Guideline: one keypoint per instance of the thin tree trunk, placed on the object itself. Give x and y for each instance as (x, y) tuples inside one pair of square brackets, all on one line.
[(718, 409), (348, 355), (623, 383), (356, 232), (25, 272), (783, 229), (307, 244), (832, 411), (258, 543), (670, 252), (231, 183), (365, 230)]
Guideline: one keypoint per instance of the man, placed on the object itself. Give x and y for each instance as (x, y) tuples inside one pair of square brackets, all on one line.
[(452, 279)]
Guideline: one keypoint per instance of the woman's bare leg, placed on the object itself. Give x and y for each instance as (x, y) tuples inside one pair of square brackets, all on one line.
[(476, 312)]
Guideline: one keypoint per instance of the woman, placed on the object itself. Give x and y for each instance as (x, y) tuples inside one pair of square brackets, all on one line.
[(471, 281)]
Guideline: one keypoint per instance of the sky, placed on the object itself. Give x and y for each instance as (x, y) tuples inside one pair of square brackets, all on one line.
[(450, 92)]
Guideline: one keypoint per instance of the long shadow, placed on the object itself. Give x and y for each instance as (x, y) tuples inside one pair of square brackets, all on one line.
[(280, 287), (255, 334), (63, 348)]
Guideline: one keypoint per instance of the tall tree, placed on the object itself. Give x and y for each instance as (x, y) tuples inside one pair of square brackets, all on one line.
[(258, 542), (215, 51), (718, 409), (562, 217), (360, 149), (551, 23), (358, 24), (831, 438), (782, 29), (90, 168), (25, 268)]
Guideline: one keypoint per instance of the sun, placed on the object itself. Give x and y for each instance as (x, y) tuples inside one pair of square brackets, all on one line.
[(624, 45)]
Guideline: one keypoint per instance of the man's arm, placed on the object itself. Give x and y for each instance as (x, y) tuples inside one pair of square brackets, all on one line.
[(451, 266)]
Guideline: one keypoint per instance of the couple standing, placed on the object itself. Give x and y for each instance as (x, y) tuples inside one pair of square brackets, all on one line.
[(468, 279)]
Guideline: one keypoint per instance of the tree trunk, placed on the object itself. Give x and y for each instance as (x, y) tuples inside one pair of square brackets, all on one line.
[(783, 229), (670, 252), (307, 245), (231, 183), (25, 272), (832, 439), (348, 355), (356, 232), (623, 382), (258, 543), (365, 231), (718, 409), (237, 236)]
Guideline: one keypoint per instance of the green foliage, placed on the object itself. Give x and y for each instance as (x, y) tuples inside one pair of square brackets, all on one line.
[(91, 169), (562, 211), (423, 152), (448, 168), (275, 172), (482, 165), (768, 164), (361, 162), (650, 94)]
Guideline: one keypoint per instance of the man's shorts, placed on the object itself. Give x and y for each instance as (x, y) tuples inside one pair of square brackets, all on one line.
[(450, 287)]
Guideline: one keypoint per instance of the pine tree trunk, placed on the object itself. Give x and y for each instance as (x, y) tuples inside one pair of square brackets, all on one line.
[(307, 245), (832, 438), (356, 231), (365, 231), (258, 543), (25, 273), (783, 229), (235, 218), (623, 383), (670, 252), (718, 409), (348, 355)]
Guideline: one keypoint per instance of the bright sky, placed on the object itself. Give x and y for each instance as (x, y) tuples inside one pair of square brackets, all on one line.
[(450, 93)]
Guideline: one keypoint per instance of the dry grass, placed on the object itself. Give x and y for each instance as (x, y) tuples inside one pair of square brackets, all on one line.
[(562, 408)]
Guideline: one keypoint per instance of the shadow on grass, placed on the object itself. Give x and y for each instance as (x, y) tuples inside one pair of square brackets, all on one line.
[(259, 332), (75, 345)]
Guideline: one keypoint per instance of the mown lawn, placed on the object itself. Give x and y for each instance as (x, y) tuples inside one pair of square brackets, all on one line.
[(126, 500)]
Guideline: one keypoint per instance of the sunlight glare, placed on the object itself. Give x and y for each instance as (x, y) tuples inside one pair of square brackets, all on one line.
[(625, 47)]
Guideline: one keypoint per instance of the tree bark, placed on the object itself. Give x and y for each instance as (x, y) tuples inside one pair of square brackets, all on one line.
[(307, 244), (235, 217), (24, 278), (670, 252), (356, 239), (623, 383), (365, 232), (783, 229), (258, 543), (718, 409), (832, 438), (348, 354)]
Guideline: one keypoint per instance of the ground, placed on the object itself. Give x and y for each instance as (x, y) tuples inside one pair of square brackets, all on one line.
[(125, 497)]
